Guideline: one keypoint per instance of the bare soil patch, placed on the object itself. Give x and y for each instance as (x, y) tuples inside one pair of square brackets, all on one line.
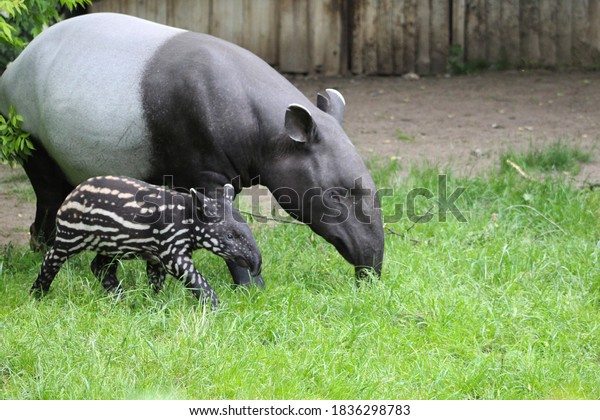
[(465, 122)]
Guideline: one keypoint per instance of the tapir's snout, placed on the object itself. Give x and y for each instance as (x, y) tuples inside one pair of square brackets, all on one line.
[(370, 257), (371, 261), (359, 236), (252, 263), (364, 252), (255, 268)]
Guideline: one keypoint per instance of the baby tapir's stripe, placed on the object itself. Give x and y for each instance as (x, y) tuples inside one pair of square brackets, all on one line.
[(121, 217)]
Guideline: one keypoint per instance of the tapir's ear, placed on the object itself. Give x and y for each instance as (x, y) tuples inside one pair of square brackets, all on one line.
[(205, 206), (228, 193), (334, 104), (198, 197), (299, 124)]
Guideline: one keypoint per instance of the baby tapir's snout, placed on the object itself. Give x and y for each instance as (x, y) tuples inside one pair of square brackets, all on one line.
[(121, 217)]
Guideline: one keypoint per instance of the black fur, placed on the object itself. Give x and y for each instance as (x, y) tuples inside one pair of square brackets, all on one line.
[(51, 187)]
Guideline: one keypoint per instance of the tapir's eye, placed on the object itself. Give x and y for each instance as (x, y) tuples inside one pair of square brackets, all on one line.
[(337, 196), (230, 236)]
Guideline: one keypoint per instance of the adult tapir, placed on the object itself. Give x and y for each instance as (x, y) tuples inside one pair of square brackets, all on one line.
[(110, 94)]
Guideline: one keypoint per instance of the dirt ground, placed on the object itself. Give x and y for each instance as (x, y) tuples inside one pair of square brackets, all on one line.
[(464, 121)]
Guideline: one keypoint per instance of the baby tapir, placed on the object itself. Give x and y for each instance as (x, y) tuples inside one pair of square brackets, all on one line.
[(121, 217)]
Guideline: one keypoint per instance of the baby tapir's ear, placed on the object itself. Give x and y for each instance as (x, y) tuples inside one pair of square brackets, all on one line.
[(199, 197), (209, 208), (205, 206), (228, 193)]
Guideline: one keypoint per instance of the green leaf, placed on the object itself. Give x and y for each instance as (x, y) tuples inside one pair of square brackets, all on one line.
[(7, 31), (16, 145)]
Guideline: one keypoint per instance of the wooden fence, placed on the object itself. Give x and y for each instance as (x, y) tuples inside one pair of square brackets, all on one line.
[(389, 37), (548, 33)]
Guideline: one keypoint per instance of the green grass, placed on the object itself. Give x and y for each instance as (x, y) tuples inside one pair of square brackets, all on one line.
[(402, 136), (558, 156), (505, 306)]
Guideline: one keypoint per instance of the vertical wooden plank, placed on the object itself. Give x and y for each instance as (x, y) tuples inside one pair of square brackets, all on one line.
[(118, 6), (384, 30), (548, 32), (530, 32), (398, 23), (440, 31), (145, 9), (510, 31), (106, 6), (193, 15), (171, 11), (370, 37), (357, 37), (475, 32), (97, 7), (141, 10), (161, 12), (594, 31), (294, 47), (325, 35), (154, 10), (564, 22), (459, 9), (318, 31), (494, 41), (329, 36), (580, 51), (410, 35), (423, 37), (227, 20), (130, 7), (345, 36), (261, 28)]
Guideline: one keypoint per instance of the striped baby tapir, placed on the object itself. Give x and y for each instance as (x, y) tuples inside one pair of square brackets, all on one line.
[(120, 217)]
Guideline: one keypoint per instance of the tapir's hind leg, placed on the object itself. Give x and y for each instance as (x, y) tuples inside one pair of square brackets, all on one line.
[(51, 187), (53, 260), (104, 268)]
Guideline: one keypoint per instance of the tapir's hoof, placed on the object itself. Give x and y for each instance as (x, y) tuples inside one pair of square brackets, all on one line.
[(37, 292), (37, 242), (118, 294)]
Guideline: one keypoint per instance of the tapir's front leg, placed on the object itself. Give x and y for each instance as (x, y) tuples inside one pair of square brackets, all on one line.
[(182, 267), (156, 275), (51, 187)]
